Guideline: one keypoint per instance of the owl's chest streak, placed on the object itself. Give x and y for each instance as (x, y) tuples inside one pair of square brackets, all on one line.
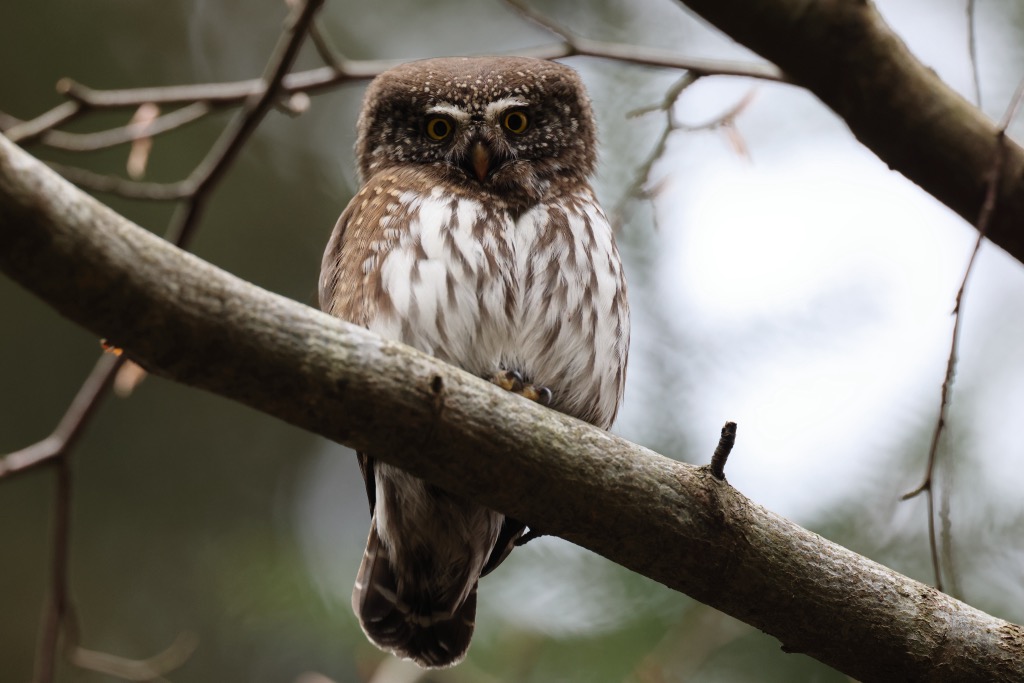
[(478, 287)]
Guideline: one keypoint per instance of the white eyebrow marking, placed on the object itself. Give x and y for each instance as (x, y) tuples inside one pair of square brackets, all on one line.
[(449, 109), (503, 104)]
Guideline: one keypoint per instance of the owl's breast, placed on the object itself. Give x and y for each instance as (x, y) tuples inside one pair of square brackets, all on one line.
[(541, 293), (445, 269), (572, 320)]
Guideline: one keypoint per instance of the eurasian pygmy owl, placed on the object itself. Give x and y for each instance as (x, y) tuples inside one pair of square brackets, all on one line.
[(475, 237)]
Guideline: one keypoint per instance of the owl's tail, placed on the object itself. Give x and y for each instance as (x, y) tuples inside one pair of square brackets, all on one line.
[(415, 627)]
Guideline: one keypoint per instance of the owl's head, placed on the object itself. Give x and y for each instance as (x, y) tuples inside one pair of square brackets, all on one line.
[(511, 126)]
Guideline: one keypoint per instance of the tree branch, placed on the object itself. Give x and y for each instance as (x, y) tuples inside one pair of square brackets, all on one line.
[(186, 320), (843, 52), (574, 45)]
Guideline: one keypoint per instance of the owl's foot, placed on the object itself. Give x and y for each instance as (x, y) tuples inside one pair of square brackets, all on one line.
[(513, 381)]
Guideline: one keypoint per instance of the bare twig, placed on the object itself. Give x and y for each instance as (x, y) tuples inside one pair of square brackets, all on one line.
[(725, 443), (229, 93), (27, 130), (633, 54), (257, 104), (258, 100), (59, 610), (132, 189), (201, 99), (972, 50), (578, 46), (151, 669), (324, 48), (723, 120), (8, 121), (648, 56), (984, 218), (341, 70), (191, 98), (952, 582), (68, 431), (142, 145), (639, 189), (88, 142)]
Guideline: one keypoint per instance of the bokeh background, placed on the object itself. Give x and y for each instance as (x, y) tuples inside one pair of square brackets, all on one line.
[(791, 283)]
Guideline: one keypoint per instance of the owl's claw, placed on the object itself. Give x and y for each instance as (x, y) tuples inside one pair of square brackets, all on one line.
[(509, 380), (512, 380), (541, 395)]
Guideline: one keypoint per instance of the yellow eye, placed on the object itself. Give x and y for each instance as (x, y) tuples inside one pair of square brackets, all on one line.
[(438, 128), (516, 121)]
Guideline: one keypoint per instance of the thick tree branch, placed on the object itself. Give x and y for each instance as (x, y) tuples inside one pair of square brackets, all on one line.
[(186, 320), (843, 52)]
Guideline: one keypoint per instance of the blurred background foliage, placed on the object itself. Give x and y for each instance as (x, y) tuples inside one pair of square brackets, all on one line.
[(791, 283)]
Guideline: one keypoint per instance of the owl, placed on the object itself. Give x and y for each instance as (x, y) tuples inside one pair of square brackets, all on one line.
[(475, 237)]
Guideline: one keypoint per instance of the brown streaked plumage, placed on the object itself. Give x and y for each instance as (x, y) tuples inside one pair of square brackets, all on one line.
[(475, 237)]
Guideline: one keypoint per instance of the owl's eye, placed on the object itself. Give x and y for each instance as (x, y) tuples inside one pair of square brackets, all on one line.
[(438, 128), (516, 121)]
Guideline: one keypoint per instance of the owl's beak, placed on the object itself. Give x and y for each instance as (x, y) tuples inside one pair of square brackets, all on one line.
[(480, 159)]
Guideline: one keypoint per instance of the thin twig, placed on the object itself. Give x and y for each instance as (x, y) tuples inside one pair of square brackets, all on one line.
[(574, 45), (639, 189), (725, 443), (322, 78), (59, 612), (340, 70), (27, 130), (150, 669), (70, 427), (88, 142), (648, 56), (82, 98), (946, 534), (226, 147), (227, 93), (972, 50), (325, 49), (988, 207), (132, 189), (723, 120)]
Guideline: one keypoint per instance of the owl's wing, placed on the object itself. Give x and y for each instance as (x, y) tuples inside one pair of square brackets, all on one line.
[(330, 302), (330, 267), (351, 287)]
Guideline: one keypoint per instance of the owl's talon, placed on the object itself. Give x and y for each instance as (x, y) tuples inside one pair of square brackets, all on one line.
[(509, 380), (541, 395), (512, 380)]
